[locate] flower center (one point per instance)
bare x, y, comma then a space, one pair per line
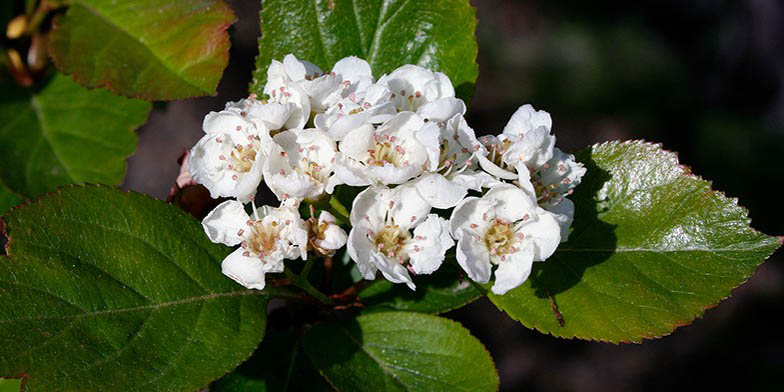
263, 238
242, 158
387, 151
501, 238
495, 150
391, 241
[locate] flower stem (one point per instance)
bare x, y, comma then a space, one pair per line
305, 285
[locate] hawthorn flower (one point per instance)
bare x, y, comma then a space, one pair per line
393, 231
526, 140
551, 184
389, 154
506, 228
228, 160
350, 75
299, 164
413, 86
451, 145
326, 236
372, 106
273, 235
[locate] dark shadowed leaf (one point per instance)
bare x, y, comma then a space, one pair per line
436, 34
150, 49
400, 351
277, 365
652, 247
105, 290
437, 293
8, 199
62, 133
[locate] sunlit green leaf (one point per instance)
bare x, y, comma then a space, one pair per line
436, 34
652, 247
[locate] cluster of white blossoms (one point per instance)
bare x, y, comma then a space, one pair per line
405, 139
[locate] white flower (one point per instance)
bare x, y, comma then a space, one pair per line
277, 234
451, 146
372, 106
228, 160
270, 116
552, 183
506, 228
413, 86
325, 234
389, 154
350, 75
526, 140
292, 93
299, 164
381, 237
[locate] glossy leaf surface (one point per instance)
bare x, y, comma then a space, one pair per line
652, 247
437, 34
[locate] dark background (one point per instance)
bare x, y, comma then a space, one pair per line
702, 77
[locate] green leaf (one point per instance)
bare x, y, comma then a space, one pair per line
106, 290
437, 293
436, 34
277, 365
7, 198
151, 49
652, 247
63, 133
10, 385
398, 351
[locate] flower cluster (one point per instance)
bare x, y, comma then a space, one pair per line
404, 138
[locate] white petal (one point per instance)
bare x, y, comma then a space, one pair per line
274, 115
430, 137
408, 208
524, 180
564, 214
429, 245
474, 179
474, 257
359, 249
334, 236
533, 150
369, 206
389, 174
247, 271
347, 171
391, 269
493, 169
470, 211
442, 109
511, 202
352, 69
227, 223
225, 121
545, 233
358, 142
525, 119
513, 271
438, 191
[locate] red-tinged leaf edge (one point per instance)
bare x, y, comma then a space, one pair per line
221, 41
